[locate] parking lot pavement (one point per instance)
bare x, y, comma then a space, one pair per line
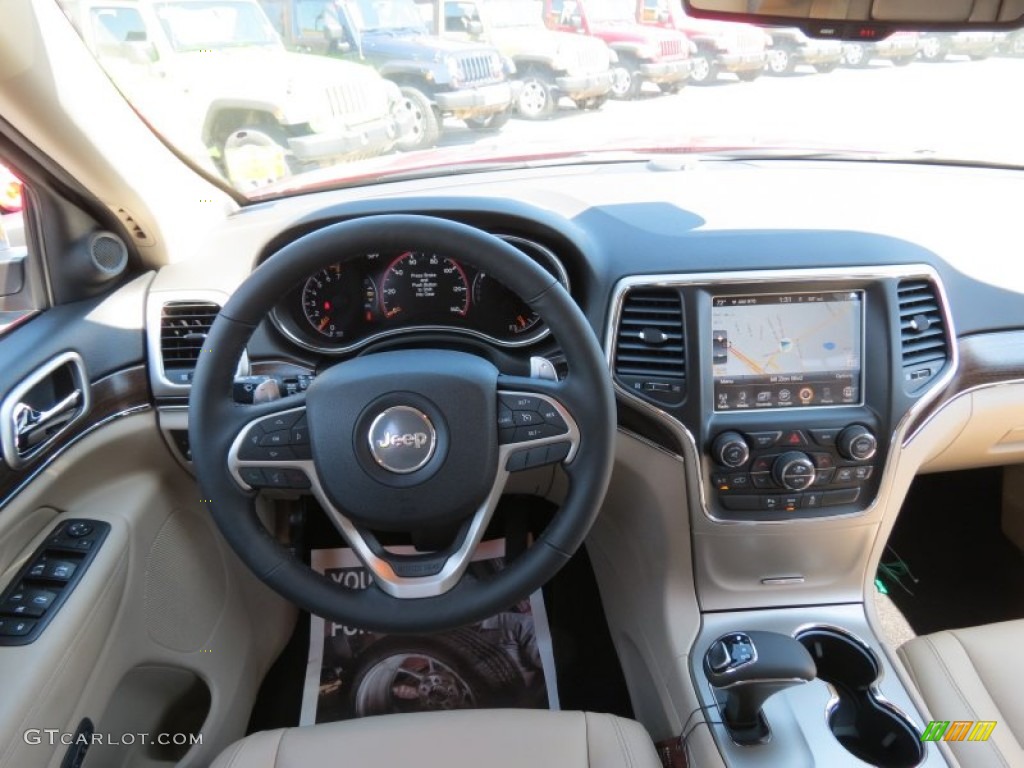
958, 108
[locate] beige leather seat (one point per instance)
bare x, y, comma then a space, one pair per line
975, 674
497, 738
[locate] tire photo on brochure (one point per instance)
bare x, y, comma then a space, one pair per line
494, 663
454, 670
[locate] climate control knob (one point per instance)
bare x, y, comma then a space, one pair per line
730, 450
793, 470
857, 443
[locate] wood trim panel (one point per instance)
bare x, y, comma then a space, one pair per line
985, 359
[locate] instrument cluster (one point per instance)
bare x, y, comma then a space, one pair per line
345, 306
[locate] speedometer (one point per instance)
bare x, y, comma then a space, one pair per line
500, 311
419, 286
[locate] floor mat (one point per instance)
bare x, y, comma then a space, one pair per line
502, 661
588, 673
962, 570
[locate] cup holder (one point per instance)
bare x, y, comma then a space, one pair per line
868, 727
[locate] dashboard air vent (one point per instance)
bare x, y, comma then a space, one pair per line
183, 329
650, 354
924, 342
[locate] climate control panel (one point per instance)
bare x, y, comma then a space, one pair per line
782, 473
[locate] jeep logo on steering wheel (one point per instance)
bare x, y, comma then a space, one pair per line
402, 439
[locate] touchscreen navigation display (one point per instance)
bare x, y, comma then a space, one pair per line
787, 350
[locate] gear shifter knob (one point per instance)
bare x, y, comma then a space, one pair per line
745, 669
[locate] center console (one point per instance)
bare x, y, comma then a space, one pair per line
790, 383
787, 396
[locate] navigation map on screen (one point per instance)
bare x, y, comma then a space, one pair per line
786, 350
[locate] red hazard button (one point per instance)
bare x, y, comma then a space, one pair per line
793, 437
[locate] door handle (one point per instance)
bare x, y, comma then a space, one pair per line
42, 406
30, 423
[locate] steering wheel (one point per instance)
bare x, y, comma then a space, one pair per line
404, 440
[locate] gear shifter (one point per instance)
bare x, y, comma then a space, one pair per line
745, 669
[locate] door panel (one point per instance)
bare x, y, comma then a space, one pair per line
165, 607
165, 619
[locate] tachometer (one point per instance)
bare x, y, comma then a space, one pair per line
424, 287
334, 298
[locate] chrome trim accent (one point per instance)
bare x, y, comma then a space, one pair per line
562, 276
381, 460
741, 683
650, 444
969, 391
12, 407
874, 689
695, 477
782, 581
57, 453
404, 587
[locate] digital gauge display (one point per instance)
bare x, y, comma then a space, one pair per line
349, 304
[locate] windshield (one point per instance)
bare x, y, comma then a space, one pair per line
610, 10
199, 26
509, 14
385, 14
497, 83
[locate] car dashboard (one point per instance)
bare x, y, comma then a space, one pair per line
791, 342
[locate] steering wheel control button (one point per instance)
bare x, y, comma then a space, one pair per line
558, 452
297, 479
281, 437
402, 439
521, 402
525, 434
551, 416
281, 421
506, 417
252, 476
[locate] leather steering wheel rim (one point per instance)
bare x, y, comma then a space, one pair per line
216, 423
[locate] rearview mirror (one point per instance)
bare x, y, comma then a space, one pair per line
865, 19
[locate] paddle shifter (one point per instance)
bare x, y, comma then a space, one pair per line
745, 669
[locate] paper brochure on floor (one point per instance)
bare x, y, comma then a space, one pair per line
503, 661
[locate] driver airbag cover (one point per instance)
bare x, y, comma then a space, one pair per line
457, 393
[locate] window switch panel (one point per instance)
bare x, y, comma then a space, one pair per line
37, 592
